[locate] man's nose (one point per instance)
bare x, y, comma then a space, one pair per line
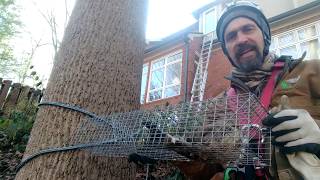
242, 38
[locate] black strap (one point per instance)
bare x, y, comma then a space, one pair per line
68, 148
70, 107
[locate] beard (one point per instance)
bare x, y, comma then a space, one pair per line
249, 64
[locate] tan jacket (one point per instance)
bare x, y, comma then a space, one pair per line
302, 86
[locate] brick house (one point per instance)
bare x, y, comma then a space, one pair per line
170, 72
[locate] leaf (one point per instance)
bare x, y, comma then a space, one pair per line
33, 73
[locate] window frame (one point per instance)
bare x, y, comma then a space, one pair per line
164, 86
276, 48
215, 9
143, 92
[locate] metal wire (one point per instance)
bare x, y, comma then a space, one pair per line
225, 129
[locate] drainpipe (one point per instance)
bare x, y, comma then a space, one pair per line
185, 97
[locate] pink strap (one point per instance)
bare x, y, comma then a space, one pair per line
268, 90
265, 101
231, 92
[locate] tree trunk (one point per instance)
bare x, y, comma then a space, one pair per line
98, 68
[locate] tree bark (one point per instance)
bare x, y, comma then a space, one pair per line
98, 68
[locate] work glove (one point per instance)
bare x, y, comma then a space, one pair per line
294, 130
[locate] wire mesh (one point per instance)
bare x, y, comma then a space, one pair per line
225, 129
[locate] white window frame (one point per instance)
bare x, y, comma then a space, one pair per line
164, 86
297, 43
215, 9
142, 101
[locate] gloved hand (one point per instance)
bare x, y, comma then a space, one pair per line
294, 130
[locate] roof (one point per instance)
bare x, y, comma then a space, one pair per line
174, 37
294, 12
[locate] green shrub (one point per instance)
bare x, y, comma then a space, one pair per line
15, 129
175, 175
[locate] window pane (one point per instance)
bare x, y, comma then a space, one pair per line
158, 64
173, 74
170, 59
143, 87
145, 69
291, 51
154, 95
272, 47
172, 91
210, 21
307, 32
286, 39
165, 72
157, 79
144, 82
312, 48
174, 57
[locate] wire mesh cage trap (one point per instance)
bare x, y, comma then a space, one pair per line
225, 129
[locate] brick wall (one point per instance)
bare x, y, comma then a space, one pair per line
194, 46
218, 68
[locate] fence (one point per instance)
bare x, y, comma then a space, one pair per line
13, 93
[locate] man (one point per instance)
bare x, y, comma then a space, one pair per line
245, 38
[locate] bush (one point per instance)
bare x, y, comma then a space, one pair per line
15, 129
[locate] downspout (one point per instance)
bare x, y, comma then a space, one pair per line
185, 98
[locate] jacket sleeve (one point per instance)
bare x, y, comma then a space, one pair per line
315, 81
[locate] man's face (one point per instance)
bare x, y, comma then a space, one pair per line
244, 43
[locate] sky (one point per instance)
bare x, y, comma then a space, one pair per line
165, 17
168, 16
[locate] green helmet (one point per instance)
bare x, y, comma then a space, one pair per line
248, 10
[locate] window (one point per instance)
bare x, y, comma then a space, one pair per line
296, 41
165, 78
209, 21
144, 82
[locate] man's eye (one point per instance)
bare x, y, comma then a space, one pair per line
247, 29
230, 36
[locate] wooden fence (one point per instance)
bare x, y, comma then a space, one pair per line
13, 93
